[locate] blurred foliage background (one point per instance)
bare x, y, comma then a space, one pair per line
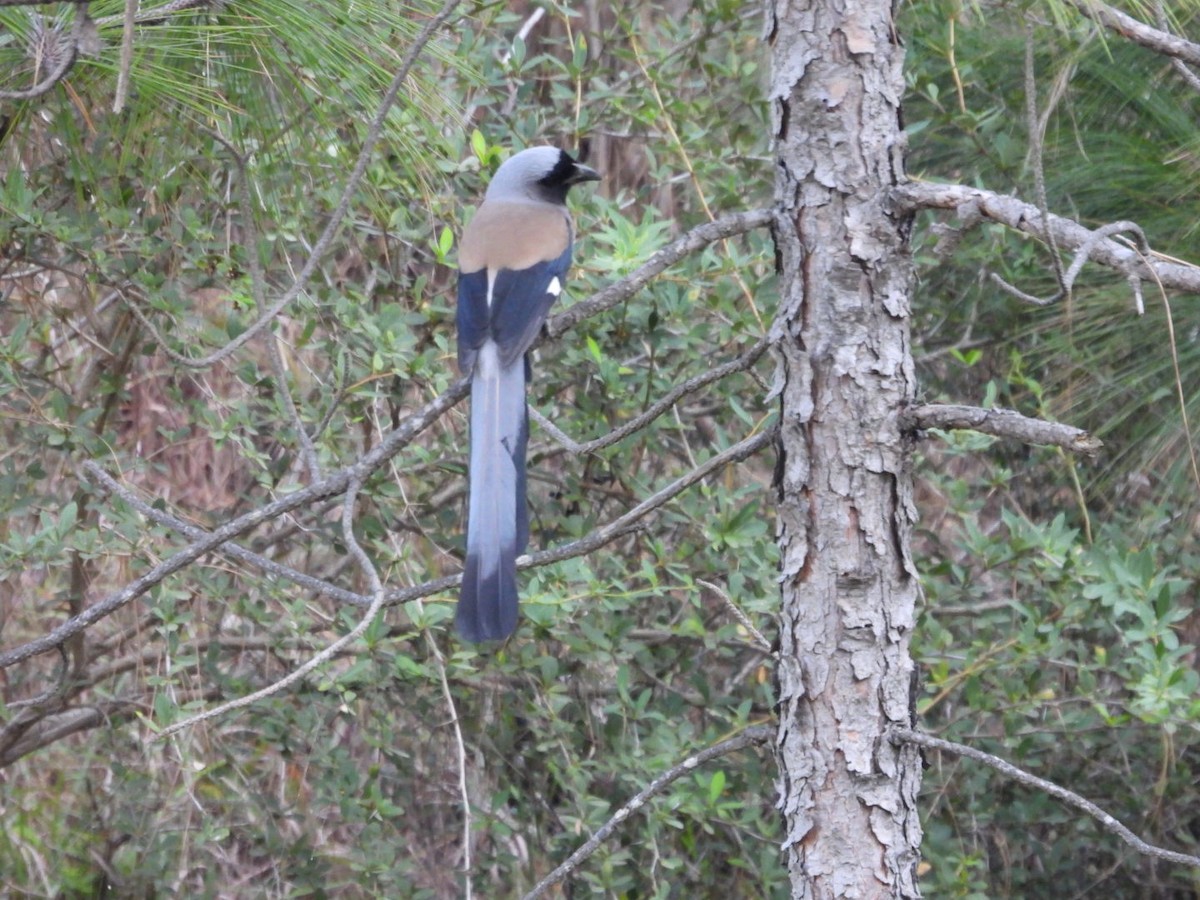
1059, 627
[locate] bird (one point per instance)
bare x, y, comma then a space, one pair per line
513, 259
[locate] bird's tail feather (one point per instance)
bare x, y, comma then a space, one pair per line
497, 517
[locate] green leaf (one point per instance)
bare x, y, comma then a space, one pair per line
479, 145
594, 350
715, 786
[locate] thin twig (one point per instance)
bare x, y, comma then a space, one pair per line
258, 290
615, 529
460, 757
377, 603
1081, 258
602, 535
752, 736
697, 186
1107, 821
1139, 32
1034, 127
319, 249
660, 406
605, 534
1179, 391
739, 614
1181, 68
195, 533
618, 292
1039, 184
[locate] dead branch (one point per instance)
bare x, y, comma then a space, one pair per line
378, 595
334, 223
1106, 820
753, 736
336, 483
1005, 423
1097, 245
696, 239
1160, 41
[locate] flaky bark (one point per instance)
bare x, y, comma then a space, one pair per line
847, 794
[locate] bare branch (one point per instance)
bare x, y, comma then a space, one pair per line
1005, 423
602, 535
660, 406
195, 533
1139, 32
67, 52
460, 753
334, 224
738, 613
1036, 131
405, 433
258, 289
1070, 235
1181, 68
377, 603
699, 237
605, 534
63, 723
1107, 821
129, 19
333, 484
752, 736
1067, 280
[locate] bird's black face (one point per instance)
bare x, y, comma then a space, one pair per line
566, 172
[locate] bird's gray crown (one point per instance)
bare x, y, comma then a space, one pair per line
541, 174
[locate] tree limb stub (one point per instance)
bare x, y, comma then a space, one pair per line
1005, 423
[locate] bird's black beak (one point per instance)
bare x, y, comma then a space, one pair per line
583, 173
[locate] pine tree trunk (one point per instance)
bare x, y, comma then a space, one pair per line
845, 515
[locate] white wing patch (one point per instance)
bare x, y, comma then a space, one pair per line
491, 276
554, 288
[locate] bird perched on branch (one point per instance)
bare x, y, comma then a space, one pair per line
512, 260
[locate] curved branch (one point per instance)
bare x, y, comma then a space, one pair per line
404, 434
660, 406
336, 483
374, 131
1139, 32
317, 660
70, 55
1069, 234
699, 237
753, 736
614, 529
59, 724
618, 527
195, 533
1106, 820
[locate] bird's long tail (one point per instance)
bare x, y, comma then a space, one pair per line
497, 516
